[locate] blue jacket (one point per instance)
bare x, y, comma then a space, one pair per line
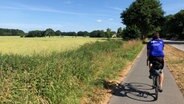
155, 47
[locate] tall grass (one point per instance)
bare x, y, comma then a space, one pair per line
63, 78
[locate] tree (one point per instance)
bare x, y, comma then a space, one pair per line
147, 15
119, 32
179, 23
97, 33
83, 33
11, 32
131, 32
108, 33
72, 34
49, 32
166, 29
86, 33
174, 26
35, 33
58, 33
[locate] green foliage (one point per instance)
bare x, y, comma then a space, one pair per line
131, 32
83, 33
97, 33
62, 78
35, 33
100, 33
174, 26
69, 34
49, 32
108, 33
147, 15
58, 33
11, 32
119, 32
180, 24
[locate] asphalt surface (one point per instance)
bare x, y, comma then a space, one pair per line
179, 46
137, 87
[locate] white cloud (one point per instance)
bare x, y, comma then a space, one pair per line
28, 27
22, 7
99, 20
54, 11
116, 8
68, 2
110, 19
38, 9
9, 7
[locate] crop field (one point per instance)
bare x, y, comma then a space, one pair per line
30, 46
69, 77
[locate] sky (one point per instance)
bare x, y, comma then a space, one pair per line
70, 15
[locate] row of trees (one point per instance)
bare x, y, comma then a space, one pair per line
174, 26
11, 32
49, 32
143, 17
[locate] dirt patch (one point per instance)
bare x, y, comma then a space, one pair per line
175, 62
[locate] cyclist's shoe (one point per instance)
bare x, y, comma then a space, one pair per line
160, 89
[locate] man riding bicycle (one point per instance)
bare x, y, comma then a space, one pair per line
155, 56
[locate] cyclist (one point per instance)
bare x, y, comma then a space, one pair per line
155, 53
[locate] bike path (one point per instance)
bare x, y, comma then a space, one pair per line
137, 87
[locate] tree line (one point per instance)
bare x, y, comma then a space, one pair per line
50, 32
174, 26
11, 32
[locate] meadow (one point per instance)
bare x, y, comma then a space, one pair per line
44, 45
69, 77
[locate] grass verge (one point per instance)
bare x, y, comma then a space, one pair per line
71, 77
175, 61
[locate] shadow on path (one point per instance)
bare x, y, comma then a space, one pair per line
136, 91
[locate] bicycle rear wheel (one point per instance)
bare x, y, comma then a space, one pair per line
156, 86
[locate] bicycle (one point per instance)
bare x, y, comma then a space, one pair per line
155, 72
155, 77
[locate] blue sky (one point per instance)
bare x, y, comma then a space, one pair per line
70, 15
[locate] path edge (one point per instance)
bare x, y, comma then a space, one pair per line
123, 74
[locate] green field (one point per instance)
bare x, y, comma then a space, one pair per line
46, 45
68, 77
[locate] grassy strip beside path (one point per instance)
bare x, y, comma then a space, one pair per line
72, 77
175, 61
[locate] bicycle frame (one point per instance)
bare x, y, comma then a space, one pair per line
156, 85
156, 81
